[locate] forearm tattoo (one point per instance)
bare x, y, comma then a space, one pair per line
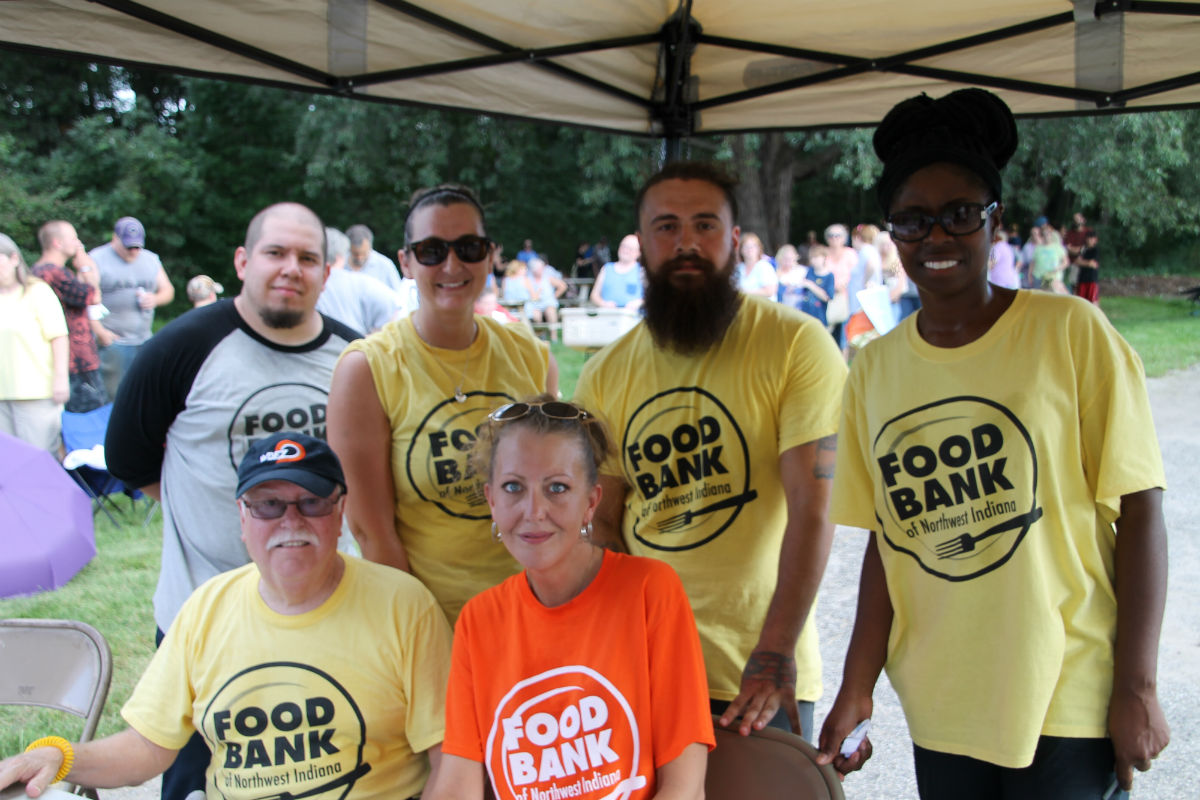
777, 668
826, 458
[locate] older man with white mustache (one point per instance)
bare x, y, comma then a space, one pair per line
309, 673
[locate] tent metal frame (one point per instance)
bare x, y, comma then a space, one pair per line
671, 111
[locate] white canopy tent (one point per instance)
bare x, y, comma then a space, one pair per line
669, 68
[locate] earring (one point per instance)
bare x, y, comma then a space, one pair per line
496, 534
586, 531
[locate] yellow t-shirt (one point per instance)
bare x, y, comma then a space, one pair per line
442, 517
348, 695
994, 472
698, 442
29, 320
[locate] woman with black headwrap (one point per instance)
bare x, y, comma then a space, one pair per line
999, 446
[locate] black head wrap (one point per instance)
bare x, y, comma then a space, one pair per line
970, 127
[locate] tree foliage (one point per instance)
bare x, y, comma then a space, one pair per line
194, 159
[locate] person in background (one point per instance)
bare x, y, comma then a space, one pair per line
1018, 617
133, 283
894, 277
584, 265
1088, 285
1050, 261
365, 259
589, 634
305, 669
1002, 263
841, 261
619, 284
800, 287
33, 354
526, 252
756, 274
547, 287
78, 290
203, 291
353, 298
406, 401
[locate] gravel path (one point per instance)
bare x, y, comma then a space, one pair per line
889, 775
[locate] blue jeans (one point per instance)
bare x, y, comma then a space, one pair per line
187, 773
114, 363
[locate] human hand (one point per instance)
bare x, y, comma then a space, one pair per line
85, 265
36, 769
104, 337
147, 300
768, 682
60, 390
1138, 729
846, 714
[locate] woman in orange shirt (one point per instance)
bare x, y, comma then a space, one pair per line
581, 676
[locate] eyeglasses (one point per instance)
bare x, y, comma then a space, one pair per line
554, 409
433, 251
956, 219
274, 508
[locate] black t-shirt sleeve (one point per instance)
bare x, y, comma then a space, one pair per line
155, 390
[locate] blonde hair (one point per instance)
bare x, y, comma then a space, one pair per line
7, 248
788, 251
592, 435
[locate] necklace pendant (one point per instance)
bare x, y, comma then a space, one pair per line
459, 397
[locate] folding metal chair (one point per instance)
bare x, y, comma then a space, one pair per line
81, 434
767, 763
59, 664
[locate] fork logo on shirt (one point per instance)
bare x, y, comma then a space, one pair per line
689, 466
959, 482
437, 460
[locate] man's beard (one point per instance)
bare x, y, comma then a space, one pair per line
280, 318
690, 319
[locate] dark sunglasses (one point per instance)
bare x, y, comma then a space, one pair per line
554, 409
956, 219
274, 508
433, 251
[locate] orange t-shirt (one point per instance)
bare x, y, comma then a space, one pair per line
584, 700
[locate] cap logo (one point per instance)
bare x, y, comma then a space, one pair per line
285, 451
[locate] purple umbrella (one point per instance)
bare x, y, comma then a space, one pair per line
46, 532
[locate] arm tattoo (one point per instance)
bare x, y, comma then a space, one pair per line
826, 457
777, 668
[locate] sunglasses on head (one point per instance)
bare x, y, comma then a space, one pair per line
956, 219
274, 508
554, 409
433, 251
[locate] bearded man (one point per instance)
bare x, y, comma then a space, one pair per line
725, 411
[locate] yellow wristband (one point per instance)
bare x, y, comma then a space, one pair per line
63, 745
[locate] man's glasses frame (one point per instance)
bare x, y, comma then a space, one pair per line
956, 219
274, 508
433, 250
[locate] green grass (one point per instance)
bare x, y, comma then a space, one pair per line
112, 594
570, 362
1162, 330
